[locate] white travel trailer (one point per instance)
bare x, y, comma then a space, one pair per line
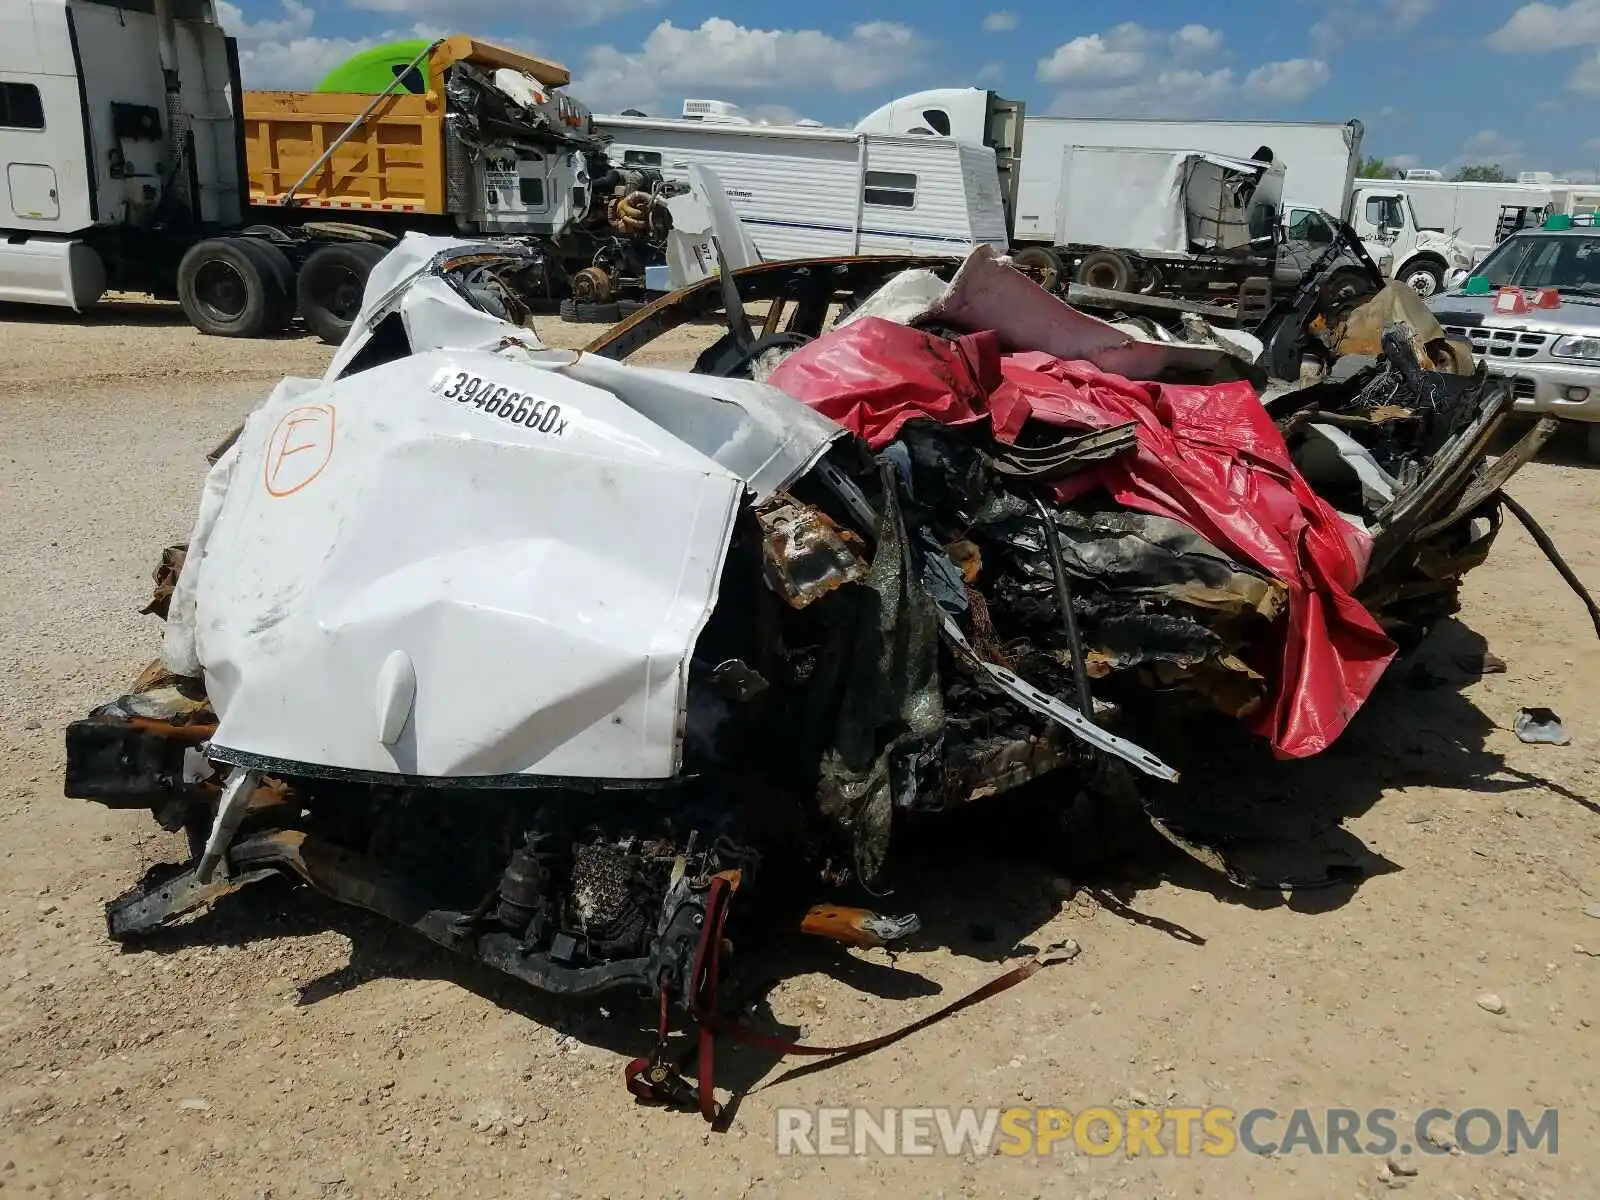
806, 191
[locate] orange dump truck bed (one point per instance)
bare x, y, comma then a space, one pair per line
394, 162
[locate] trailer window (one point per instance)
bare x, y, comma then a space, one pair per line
890, 189
20, 106
641, 158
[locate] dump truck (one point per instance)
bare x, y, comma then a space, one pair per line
466, 137
134, 160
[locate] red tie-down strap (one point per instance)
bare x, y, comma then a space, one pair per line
658, 1080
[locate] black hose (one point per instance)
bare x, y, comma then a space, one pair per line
1069, 620
1542, 539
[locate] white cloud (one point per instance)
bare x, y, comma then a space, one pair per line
297, 21
1537, 27
1130, 70
283, 52
1118, 54
773, 114
723, 56
1585, 77
1176, 91
1489, 146
1287, 82
1000, 22
1196, 41
1165, 94
1404, 162
1356, 20
989, 73
297, 64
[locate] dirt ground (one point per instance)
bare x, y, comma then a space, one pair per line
281, 1046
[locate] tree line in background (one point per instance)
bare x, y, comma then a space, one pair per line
1376, 168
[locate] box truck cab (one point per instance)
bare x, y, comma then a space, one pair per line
1423, 258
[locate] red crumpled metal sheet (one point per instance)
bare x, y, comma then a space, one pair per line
1208, 455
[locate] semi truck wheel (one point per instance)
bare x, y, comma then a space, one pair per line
278, 273
1041, 262
332, 281
1105, 269
225, 290
1425, 278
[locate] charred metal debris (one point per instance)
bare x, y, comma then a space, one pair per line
1041, 537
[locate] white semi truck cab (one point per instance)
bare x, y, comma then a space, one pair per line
123, 153
113, 118
1424, 258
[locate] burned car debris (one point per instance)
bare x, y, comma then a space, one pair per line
552, 658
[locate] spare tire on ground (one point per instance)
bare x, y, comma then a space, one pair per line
586, 313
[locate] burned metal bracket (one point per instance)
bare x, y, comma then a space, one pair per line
1019, 689
121, 764
1046, 705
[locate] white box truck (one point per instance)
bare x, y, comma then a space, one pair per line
1321, 161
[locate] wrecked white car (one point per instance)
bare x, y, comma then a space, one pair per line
547, 656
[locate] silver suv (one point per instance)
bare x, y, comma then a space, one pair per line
1551, 356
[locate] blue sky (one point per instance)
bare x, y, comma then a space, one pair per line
1436, 84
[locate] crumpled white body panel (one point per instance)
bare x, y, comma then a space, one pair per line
547, 587
386, 577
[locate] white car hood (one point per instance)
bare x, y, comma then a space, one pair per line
389, 579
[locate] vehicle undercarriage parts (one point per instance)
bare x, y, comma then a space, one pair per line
591, 286
231, 807
658, 1078
1289, 328
1069, 622
805, 555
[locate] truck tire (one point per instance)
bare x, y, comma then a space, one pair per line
583, 313
1424, 276
225, 291
279, 274
332, 281
1043, 260
1106, 269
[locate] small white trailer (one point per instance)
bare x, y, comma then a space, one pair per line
805, 191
